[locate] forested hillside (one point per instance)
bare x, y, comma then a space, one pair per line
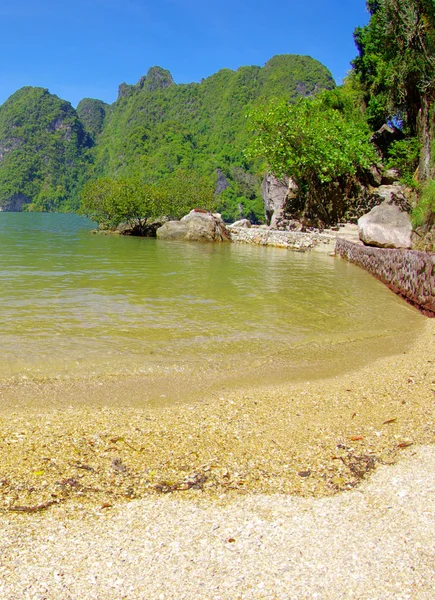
155, 128
43, 148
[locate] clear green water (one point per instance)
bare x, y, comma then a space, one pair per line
75, 305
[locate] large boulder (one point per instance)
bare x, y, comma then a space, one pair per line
245, 223
198, 226
386, 226
276, 193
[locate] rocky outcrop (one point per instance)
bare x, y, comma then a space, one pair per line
408, 273
386, 226
198, 226
222, 182
92, 114
384, 137
276, 193
394, 194
246, 223
390, 177
156, 79
15, 203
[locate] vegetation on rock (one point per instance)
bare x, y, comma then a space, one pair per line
155, 129
176, 143
396, 68
43, 150
323, 142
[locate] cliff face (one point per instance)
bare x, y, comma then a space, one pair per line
42, 147
92, 113
157, 127
154, 128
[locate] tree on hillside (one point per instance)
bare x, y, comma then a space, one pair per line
396, 66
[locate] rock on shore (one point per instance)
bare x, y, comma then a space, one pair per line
198, 226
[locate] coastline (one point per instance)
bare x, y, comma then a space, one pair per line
306, 438
322, 489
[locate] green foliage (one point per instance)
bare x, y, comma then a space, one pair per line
184, 190
424, 213
154, 130
320, 143
396, 62
241, 200
110, 202
403, 155
92, 114
310, 141
44, 148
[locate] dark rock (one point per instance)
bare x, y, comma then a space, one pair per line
15, 203
390, 177
386, 226
197, 226
375, 176
384, 137
222, 182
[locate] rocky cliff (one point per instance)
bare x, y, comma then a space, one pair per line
42, 150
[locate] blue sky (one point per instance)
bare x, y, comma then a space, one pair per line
86, 48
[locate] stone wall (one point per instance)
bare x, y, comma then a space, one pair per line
292, 240
409, 273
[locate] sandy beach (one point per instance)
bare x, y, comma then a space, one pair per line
85, 465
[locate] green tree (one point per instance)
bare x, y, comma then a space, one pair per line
110, 202
184, 190
396, 65
316, 145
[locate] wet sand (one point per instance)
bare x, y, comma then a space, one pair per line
89, 446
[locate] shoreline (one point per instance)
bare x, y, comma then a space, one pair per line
311, 439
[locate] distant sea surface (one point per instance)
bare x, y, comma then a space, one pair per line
76, 305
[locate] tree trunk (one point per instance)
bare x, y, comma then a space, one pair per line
425, 135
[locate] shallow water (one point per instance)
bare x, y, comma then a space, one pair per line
76, 305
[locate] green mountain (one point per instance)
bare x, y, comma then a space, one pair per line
92, 114
43, 151
154, 129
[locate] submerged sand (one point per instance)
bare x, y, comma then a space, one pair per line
86, 447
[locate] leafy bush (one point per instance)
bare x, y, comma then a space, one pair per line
316, 145
110, 202
309, 141
403, 155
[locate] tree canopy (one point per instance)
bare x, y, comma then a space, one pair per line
315, 142
396, 61
110, 201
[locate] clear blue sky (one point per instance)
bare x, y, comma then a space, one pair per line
86, 48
